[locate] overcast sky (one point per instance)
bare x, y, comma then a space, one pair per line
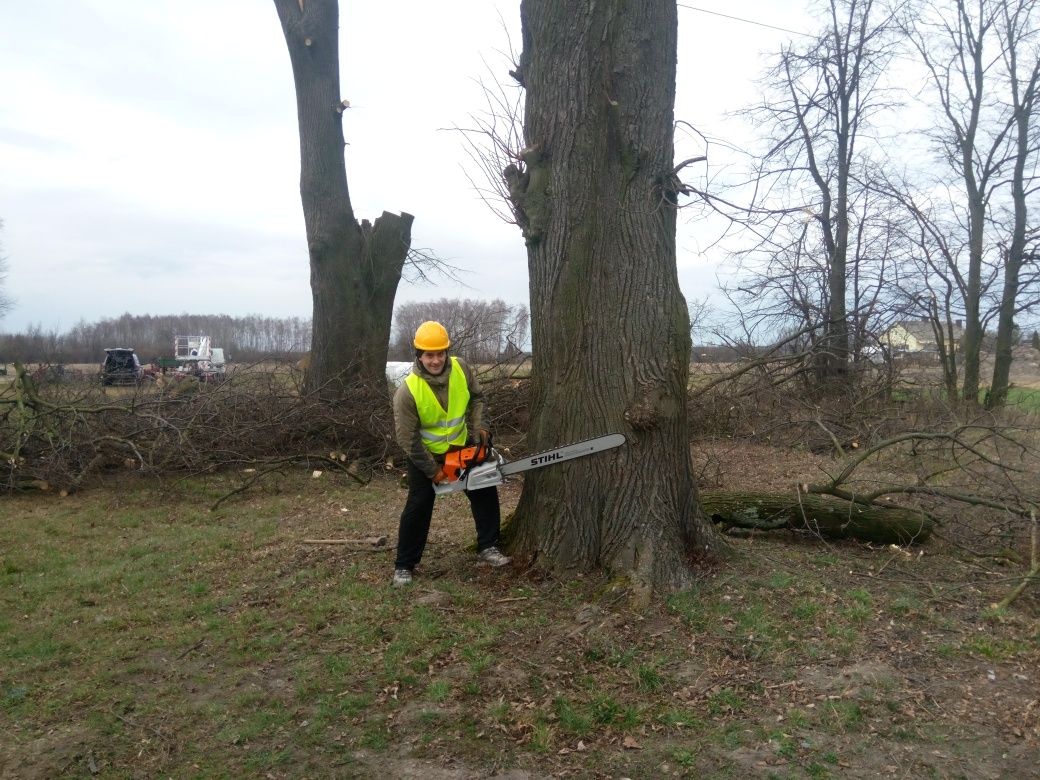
149, 150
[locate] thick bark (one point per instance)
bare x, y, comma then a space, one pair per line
596, 201
829, 517
1002, 359
1023, 102
355, 268
846, 87
973, 73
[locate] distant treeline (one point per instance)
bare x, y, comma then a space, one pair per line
481, 331
243, 339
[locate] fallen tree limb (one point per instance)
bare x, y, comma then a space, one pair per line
368, 543
829, 517
1034, 571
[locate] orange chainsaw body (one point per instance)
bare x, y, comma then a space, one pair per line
457, 461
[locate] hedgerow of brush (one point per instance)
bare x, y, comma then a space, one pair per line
61, 436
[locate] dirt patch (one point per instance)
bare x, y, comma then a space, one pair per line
64, 750
445, 769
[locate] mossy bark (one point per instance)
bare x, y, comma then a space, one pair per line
610, 332
829, 517
355, 267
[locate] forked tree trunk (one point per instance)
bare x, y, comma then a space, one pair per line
355, 268
610, 337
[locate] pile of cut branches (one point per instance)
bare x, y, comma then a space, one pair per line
60, 437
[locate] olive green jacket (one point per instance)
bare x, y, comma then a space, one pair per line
406, 415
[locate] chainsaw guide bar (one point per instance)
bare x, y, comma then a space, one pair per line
495, 469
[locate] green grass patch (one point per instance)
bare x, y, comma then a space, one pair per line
438, 690
1026, 398
906, 604
573, 719
841, 716
725, 702
684, 758
681, 718
996, 649
649, 678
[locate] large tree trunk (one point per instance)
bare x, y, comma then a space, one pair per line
1003, 357
976, 194
1023, 100
846, 86
596, 200
355, 268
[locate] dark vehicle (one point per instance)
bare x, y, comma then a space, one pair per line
121, 367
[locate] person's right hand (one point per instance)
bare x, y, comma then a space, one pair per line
440, 477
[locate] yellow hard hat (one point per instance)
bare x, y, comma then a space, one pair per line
431, 337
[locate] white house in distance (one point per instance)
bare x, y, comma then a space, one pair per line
916, 336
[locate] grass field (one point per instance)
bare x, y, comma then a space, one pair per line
144, 636
1025, 398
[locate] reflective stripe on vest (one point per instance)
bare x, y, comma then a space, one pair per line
438, 428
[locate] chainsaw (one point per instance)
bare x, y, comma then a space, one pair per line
483, 466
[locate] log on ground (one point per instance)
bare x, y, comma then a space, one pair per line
829, 517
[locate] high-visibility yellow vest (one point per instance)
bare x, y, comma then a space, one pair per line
438, 428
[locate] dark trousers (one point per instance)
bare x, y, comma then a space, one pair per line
414, 527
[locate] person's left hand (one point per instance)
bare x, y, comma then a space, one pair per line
483, 437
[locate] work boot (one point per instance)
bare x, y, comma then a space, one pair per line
401, 578
492, 556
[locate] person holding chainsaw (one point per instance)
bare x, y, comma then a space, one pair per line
439, 409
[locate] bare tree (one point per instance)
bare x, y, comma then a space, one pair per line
481, 331
493, 140
1017, 31
701, 313
818, 227
595, 194
355, 267
933, 287
973, 134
